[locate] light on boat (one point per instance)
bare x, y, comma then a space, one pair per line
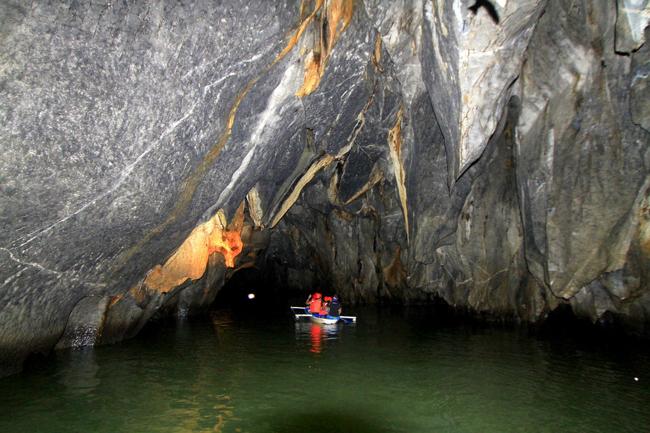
251, 296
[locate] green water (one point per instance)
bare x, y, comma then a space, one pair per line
392, 372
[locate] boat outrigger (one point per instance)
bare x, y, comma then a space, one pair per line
303, 313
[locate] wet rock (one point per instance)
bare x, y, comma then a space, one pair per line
84, 327
640, 88
471, 57
631, 22
580, 162
113, 116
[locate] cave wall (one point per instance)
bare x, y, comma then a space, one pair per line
553, 211
495, 157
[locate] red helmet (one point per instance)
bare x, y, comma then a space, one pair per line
328, 298
316, 295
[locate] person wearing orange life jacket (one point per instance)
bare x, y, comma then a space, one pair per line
325, 307
315, 303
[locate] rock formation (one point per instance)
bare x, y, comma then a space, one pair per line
493, 154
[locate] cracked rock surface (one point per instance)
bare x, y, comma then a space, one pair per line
497, 158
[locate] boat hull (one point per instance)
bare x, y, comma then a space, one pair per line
303, 313
324, 320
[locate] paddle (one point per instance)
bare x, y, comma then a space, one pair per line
303, 311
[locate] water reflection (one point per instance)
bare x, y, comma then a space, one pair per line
389, 373
221, 317
317, 334
79, 375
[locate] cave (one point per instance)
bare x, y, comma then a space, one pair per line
471, 179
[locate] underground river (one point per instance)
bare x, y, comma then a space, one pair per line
396, 370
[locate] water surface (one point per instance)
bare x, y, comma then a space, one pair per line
394, 371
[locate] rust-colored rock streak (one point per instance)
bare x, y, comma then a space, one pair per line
395, 145
375, 177
394, 272
323, 162
191, 258
192, 182
376, 54
317, 166
333, 21
255, 207
644, 224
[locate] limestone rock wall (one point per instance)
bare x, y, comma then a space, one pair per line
553, 209
493, 154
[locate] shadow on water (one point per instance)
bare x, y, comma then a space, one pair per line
323, 421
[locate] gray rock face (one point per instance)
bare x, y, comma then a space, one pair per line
631, 22
471, 58
497, 158
640, 88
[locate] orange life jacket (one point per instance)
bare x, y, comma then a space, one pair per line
315, 306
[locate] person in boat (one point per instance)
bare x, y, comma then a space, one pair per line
325, 308
315, 303
335, 306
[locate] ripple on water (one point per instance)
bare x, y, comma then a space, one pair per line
388, 373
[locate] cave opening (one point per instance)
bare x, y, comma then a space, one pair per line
250, 289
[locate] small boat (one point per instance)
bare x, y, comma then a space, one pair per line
324, 320
303, 313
